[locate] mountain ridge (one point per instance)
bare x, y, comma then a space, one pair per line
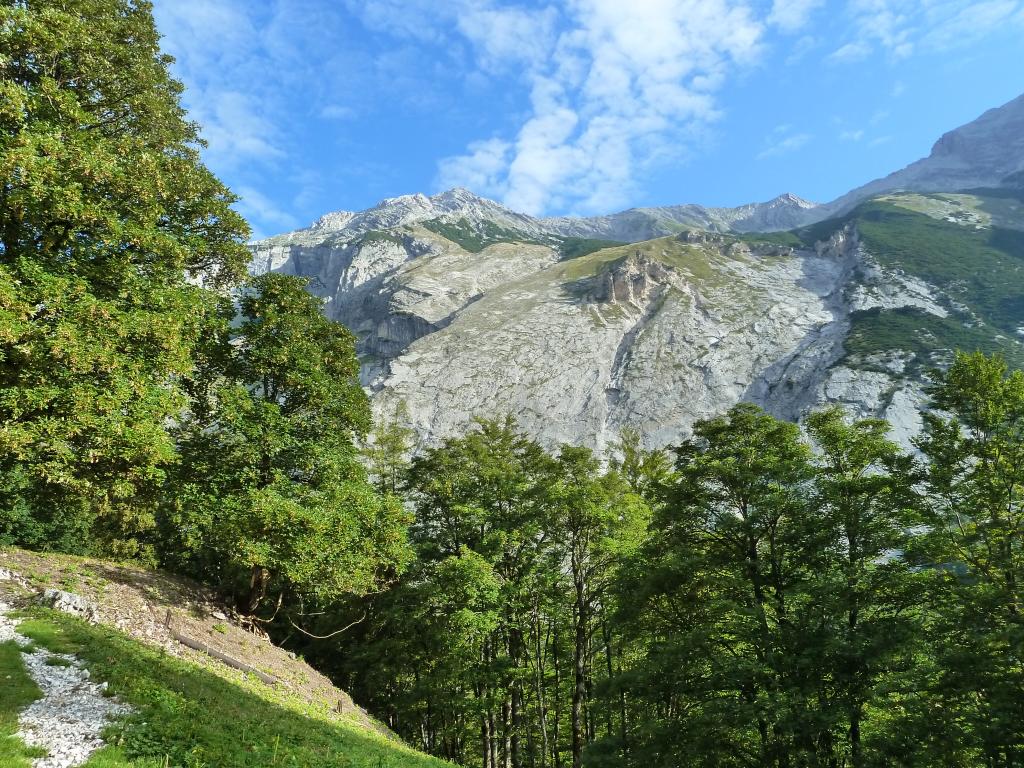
654, 318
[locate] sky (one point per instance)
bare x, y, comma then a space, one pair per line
578, 106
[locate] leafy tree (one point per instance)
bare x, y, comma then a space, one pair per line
600, 522
975, 484
104, 209
723, 595
270, 482
870, 598
388, 450
647, 472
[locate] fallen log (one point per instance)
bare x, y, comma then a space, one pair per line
199, 645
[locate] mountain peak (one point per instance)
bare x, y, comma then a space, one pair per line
982, 153
788, 198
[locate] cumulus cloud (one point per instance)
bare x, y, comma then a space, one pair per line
619, 85
242, 64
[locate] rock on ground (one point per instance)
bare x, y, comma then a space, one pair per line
73, 711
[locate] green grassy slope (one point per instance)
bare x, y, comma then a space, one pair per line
18, 692
185, 714
975, 260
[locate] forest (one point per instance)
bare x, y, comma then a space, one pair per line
761, 594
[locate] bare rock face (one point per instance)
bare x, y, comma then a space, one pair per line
464, 308
652, 336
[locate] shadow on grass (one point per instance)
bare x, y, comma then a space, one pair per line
188, 716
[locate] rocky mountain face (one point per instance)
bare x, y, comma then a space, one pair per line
986, 153
784, 212
465, 308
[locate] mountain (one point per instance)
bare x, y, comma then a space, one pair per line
986, 153
784, 212
653, 318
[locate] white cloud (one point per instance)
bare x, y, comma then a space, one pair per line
242, 63
509, 35
792, 15
851, 135
850, 52
901, 28
621, 84
256, 206
782, 142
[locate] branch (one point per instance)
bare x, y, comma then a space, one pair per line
326, 637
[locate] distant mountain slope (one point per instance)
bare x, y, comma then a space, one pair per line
985, 153
783, 212
653, 318
657, 334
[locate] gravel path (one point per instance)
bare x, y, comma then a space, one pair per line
68, 719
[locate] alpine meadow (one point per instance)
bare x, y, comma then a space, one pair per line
511, 482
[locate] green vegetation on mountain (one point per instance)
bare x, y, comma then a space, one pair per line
474, 237
982, 269
574, 247
929, 339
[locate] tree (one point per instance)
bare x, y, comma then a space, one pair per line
388, 450
600, 522
870, 598
974, 443
721, 597
647, 472
270, 483
104, 210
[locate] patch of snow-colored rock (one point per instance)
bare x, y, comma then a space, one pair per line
73, 712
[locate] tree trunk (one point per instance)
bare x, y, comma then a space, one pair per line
579, 673
259, 579
555, 747
542, 713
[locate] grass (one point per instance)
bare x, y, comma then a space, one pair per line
475, 237
575, 247
790, 239
929, 338
188, 716
18, 692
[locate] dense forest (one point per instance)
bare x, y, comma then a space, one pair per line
763, 594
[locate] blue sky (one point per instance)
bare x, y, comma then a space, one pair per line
578, 106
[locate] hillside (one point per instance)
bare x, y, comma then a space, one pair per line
187, 707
